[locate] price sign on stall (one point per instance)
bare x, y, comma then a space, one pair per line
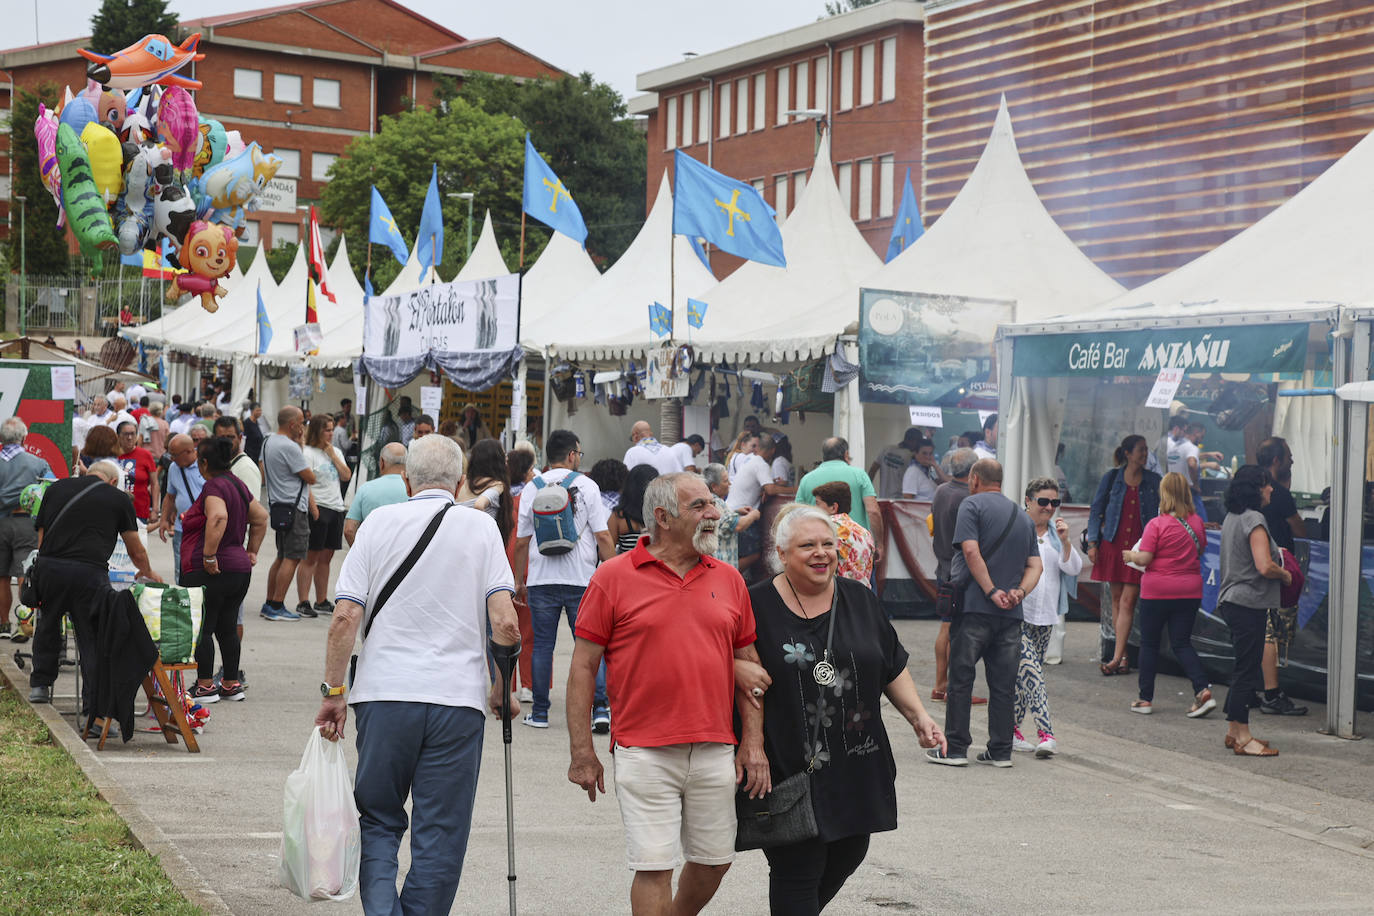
1166, 386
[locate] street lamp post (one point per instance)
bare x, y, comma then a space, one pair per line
23, 267
468, 196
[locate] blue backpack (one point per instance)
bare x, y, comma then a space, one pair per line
554, 531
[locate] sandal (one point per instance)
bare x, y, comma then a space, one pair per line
1265, 750
1231, 742
1144, 707
1109, 668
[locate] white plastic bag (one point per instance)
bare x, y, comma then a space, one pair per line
321, 842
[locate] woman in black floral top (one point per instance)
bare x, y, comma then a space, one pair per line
853, 775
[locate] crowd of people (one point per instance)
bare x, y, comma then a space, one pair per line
769, 634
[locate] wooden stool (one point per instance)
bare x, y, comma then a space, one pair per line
170, 713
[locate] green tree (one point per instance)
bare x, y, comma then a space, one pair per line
475, 151
845, 6
45, 245
581, 129
120, 23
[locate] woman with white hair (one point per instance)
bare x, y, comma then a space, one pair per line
831, 655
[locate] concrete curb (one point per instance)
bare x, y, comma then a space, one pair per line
1341, 833
145, 833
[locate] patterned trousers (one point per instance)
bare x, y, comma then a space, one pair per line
1030, 677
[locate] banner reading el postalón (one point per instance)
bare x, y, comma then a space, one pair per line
1259, 348
468, 330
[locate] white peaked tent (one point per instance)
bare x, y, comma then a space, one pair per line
411, 277
237, 308
485, 261
996, 240
783, 314
610, 319
564, 270
338, 319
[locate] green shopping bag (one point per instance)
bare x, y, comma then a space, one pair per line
173, 616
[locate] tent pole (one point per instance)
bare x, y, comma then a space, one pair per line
548, 396
522, 241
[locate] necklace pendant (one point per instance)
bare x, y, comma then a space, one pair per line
824, 672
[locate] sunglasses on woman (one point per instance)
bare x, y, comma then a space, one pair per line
1043, 501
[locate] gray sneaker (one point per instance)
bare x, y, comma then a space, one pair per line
40, 695
935, 755
986, 758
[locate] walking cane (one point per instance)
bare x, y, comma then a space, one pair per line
505, 658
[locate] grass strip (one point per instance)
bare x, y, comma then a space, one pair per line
63, 849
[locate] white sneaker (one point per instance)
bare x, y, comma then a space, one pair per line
1047, 746
1054, 659
1019, 743
526, 695
532, 722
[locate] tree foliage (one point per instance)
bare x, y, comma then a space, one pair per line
580, 127
120, 23
475, 151
837, 7
44, 245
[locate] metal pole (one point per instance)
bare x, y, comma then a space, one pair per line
1351, 363
23, 269
467, 256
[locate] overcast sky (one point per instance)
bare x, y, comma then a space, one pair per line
614, 39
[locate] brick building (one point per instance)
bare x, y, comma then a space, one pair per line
861, 71
1152, 131
302, 80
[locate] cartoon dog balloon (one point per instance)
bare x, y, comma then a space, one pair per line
208, 252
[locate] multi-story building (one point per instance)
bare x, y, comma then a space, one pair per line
1152, 131
302, 80
859, 74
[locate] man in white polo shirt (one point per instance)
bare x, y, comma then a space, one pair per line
648, 450
421, 688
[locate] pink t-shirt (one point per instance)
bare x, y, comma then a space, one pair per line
1175, 571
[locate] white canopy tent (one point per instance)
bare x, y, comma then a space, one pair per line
564, 270
486, 260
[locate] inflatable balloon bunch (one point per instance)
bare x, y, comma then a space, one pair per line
130, 162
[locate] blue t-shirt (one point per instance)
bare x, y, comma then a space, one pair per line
185, 484
380, 491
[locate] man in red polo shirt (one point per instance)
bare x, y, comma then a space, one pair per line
670, 621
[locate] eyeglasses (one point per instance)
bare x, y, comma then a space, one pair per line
1043, 501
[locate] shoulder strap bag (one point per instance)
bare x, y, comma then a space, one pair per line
1191, 533
397, 577
949, 595
785, 815
28, 592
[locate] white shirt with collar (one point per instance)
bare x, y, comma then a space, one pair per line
682, 451
428, 643
652, 452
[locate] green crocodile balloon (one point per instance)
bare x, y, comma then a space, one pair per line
85, 208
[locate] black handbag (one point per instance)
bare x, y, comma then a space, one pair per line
282, 516
785, 815
949, 595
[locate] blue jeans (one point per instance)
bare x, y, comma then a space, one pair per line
997, 641
430, 753
1178, 615
547, 604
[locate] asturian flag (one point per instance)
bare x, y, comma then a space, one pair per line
722, 210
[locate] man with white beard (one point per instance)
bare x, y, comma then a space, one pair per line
670, 620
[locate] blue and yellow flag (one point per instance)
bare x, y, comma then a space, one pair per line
264, 324
383, 231
660, 320
696, 312
547, 200
906, 228
429, 238
727, 213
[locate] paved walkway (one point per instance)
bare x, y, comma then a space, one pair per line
1137, 815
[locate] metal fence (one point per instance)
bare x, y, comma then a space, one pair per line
53, 304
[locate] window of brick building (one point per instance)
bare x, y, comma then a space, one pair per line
846, 70
889, 90
325, 93
760, 99
286, 88
252, 232
319, 165
703, 115
887, 188
866, 74
845, 179
803, 85
780, 196
823, 101
725, 91
285, 234
784, 93
247, 83
865, 189
742, 105
670, 124
688, 116
290, 162
798, 184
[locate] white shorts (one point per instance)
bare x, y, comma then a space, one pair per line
677, 802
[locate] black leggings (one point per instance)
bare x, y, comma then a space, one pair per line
803, 877
220, 619
1247, 637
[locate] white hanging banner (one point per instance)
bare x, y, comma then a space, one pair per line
927, 416
1166, 386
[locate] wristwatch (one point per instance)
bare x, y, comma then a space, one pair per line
327, 691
